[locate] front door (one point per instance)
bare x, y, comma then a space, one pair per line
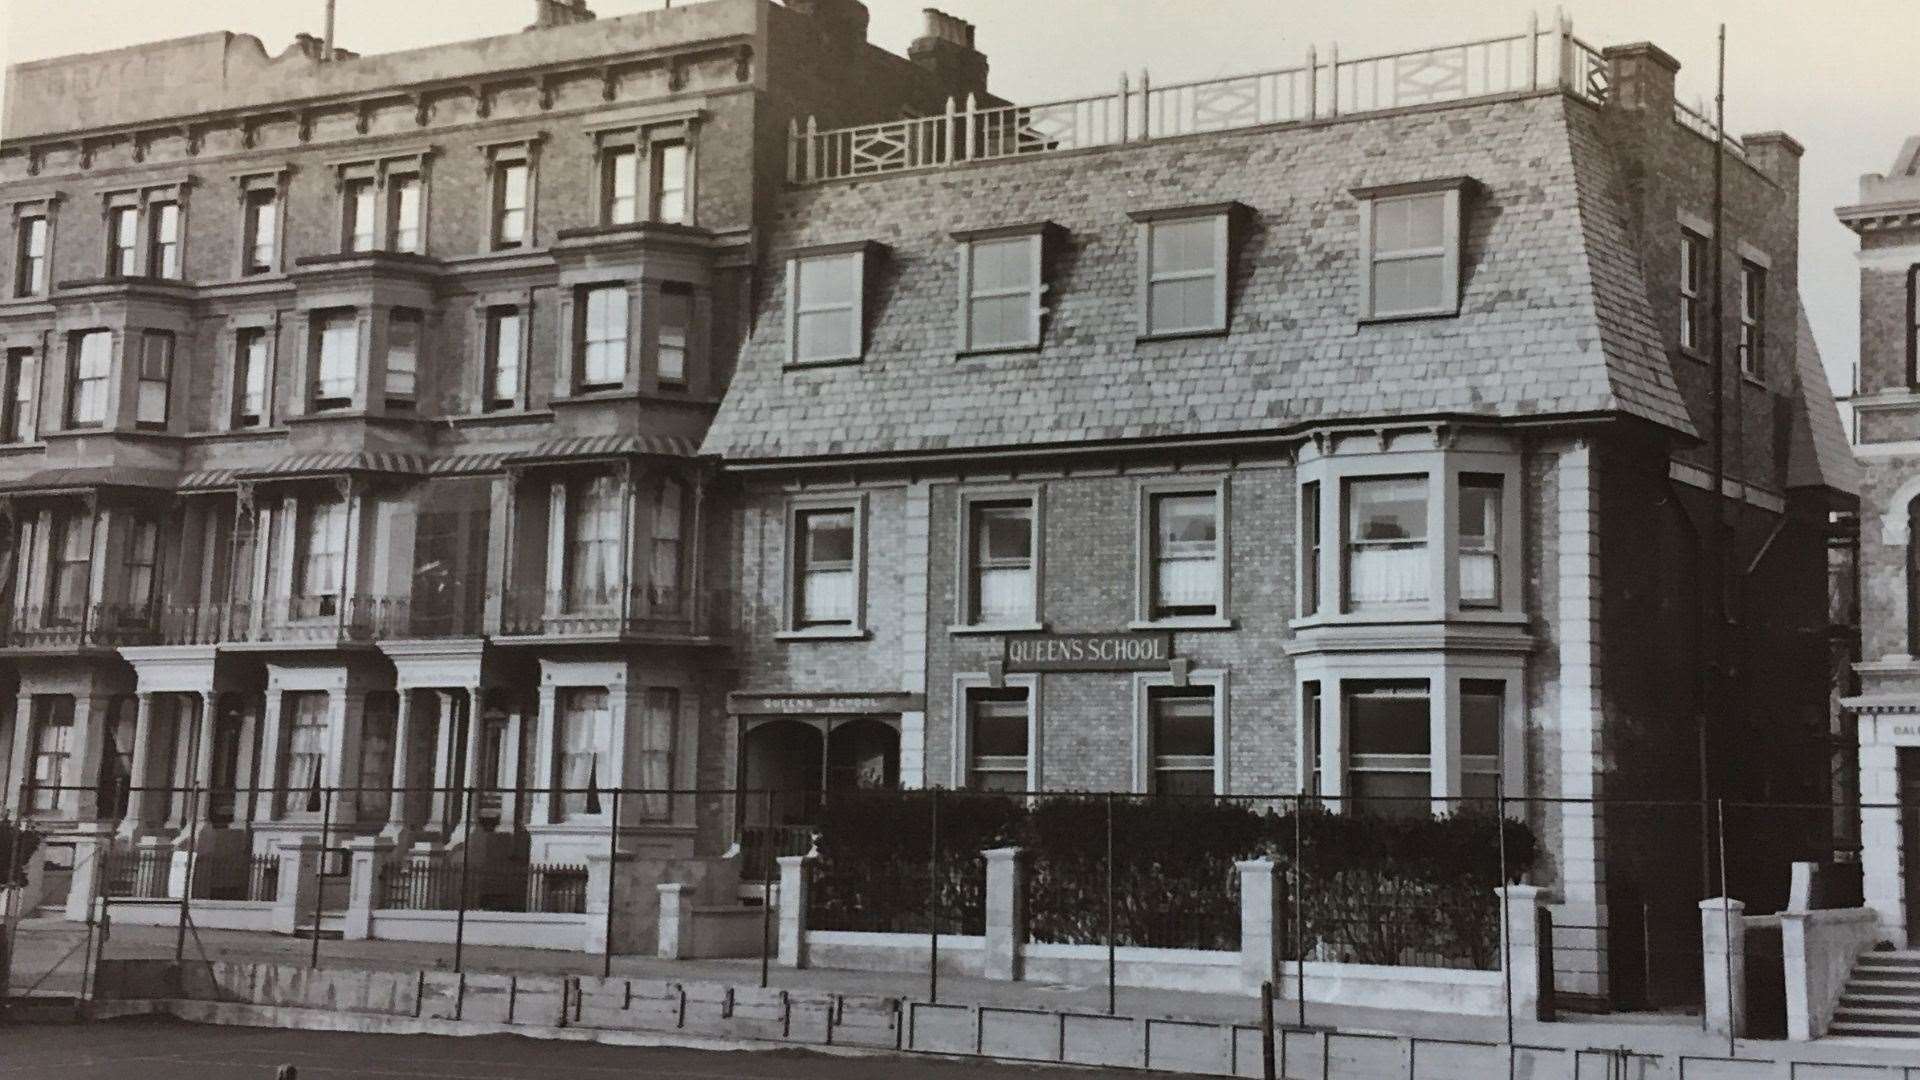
1910, 836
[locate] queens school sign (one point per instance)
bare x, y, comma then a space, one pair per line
1089, 652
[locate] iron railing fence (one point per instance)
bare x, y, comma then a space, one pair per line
1323, 87
642, 609
141, 871
442, 883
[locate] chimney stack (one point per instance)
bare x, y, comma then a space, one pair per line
946, 49
844, 19
551, 13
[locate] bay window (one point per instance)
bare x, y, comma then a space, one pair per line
1479, 539
1184, 545
593, 571
70, 577
52, 748
16, 396
250, 378
320, 559
664, 592
403, 358
1181, 741
91, 365
1310, 547
1386, 539
336, 351
584, 721
504, 341
156, 380
1482, 724
997, 739
1001, 586
1389, 746
603, 337
825, 572
303, 762
142, 564
674, 327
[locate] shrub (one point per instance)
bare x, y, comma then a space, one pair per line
876, 852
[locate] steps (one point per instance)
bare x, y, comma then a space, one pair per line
1882, 998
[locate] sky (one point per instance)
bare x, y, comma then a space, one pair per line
1834, 76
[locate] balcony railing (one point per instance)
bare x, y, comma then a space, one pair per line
641, 610
1321, 88
55, 626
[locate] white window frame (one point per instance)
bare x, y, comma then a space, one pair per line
491, 360
124, 259
1470, 455
333, 556
965, 618
1034, 237
156, 214
359, 227
500, 157
272, 183
964, 684
317, 321
96, 417
1692, 292
580, 382
600, 745
862, 253
1144, 683
798, 507
44, 209
267, 335
1146, 539
1452, 191
1223, 216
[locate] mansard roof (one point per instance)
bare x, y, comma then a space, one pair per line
1554, 318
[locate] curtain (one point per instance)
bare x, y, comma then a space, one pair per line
1388, 575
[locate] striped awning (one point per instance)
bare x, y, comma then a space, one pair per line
87, 478
468, 464
207, 480
1882, 703
605, 446
337, 462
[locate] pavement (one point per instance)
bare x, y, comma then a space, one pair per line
43, 942
153, 1048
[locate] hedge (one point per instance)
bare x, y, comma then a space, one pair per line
1376, 890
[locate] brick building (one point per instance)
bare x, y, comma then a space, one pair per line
352, 409
1887, 442
1282, 435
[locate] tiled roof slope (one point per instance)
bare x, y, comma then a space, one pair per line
1821, 455
1554, 318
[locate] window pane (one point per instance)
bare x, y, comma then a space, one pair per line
1182, 305
676, 317
829, 537
1006, 532
605, 359
1183, 245
1000, 321
670, 182
1389, 718
622, 179
403, 354
825, 334
1416, 223
1002, 265
338, 372
1000, 727
359, 196
1391, 794
504, 359
405, 212
1183, 725
827, 280
1408, 284
1185, 551
1479, 539
1392, 509
263, 227
1480, 717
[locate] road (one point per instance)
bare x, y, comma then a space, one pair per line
158, 1049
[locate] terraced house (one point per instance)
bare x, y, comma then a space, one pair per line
352, 414
1343, 430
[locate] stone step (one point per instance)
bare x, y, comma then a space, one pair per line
1890, 959
1899, 1014
1869, 999
1886, 976
1876, 1030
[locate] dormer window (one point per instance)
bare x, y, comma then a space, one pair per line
1410, 249
1002, 281
826, 303
1183, 254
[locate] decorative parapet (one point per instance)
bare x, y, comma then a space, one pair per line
1319, 89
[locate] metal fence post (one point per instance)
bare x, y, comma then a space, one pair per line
466, 859
933, 901
1299, 912
1506, 918
1112, 1004
613, 876
320, 874
193, 796
1726, 919
767, 885
1266, 1031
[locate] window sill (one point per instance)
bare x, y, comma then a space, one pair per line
1025, 348
1408, 316
838, 361
824, 633
997, 628
9, 449
1183, 622
1180, 335
501, 416
1754, 381
1405, 616
1693, 354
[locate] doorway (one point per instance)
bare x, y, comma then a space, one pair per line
1910, 835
